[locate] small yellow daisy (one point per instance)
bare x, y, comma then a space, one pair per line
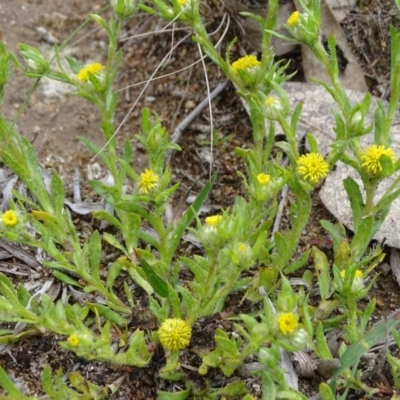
294, 19
287, 323
263, 179
245, 62
312, 167
147, 181
10, 218
94, 68
175, 334
213, 220
73, 340
371, 155
269, 101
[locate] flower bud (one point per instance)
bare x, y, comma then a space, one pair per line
274, 108
248, 68
243, 255
124, 8
35, 61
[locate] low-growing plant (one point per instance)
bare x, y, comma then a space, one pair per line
238, 240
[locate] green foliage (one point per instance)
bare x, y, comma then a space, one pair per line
241, 252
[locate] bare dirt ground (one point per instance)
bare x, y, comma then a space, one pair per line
53, 118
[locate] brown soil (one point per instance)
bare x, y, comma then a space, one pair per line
54, 118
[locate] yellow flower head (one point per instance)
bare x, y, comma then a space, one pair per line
213, 220
245, 62
10, 218
270, 100
312, 167
294, 19
263, 179
371, 155
147, 181
242, 247
287, 323
358, 274
73, 340
182, 2
175, 334
94, 68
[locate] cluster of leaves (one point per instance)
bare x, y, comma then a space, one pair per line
234, 242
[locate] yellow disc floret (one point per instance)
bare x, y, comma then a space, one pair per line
294, 19
263, 179
245, 62
10, 218
269, 101
287, 323
175, 334
370, 157
147, 181
94, 68
73, 340
213, 220
312, 167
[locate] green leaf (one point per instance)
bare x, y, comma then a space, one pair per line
298, 263
158, 284
326, 392
233, 389
362, 238
128, 294
57, 192
322, 347
96, 150
95, 255
106, 216
108, 314
190, 214
353, 353
134, 207
7, 384
47, 382
75, 66
268, 387
312, 142
182, 395
321, 265
395, 369
337, 232
111, 239
66, 279
356, 201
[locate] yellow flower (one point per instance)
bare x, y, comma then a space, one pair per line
10, 218
270, 100
242, 247
287, 323
213, 220
358, 273
371, 155
294, 19
182, 2
73, 340
245, 62
94, 68
312, 167
175, 334
263, 179
147, 181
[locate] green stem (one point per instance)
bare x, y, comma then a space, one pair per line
290, 136
369, 201
340, 97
